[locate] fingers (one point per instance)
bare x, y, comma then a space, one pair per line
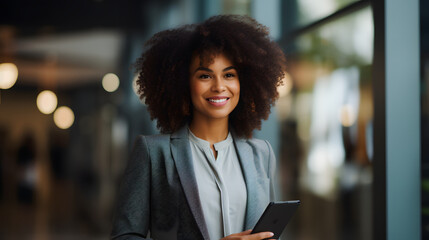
247, 236
258, 236
237, 235
247, 232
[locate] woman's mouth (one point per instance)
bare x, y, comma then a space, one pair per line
218, 101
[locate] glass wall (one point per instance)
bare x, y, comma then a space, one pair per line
325, 114
309, 11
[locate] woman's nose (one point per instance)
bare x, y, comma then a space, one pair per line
218, 85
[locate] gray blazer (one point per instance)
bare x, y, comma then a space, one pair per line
159, 192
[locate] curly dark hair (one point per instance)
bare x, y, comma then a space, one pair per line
164, 76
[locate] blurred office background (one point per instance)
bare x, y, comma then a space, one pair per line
69, 121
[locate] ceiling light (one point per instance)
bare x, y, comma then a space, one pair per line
8, 75
63, 117
110, 82
47, 101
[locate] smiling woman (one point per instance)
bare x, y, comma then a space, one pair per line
208, 86
164, 70
215, 91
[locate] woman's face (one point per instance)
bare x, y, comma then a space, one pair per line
215, 89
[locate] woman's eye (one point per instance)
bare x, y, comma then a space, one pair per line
204, 76
229, 75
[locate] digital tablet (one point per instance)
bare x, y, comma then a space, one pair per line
275, 217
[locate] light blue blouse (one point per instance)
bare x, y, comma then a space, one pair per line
221, 186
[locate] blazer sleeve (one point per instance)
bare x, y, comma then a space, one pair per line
132, 217
275, 191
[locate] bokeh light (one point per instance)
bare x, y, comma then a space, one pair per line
135, 86
110, 82
286, 87
47, 101
8, 75
347, 115
64, 117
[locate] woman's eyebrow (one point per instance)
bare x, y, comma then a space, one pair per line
229, 68
209, 70
204, 69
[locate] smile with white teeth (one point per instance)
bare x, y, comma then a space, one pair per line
219, 100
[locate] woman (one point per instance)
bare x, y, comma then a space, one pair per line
208, 86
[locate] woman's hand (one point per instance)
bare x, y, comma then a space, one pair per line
247, 236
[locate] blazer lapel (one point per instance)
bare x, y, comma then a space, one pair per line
245, 156
182, 156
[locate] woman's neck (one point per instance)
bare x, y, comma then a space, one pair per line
213, 131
